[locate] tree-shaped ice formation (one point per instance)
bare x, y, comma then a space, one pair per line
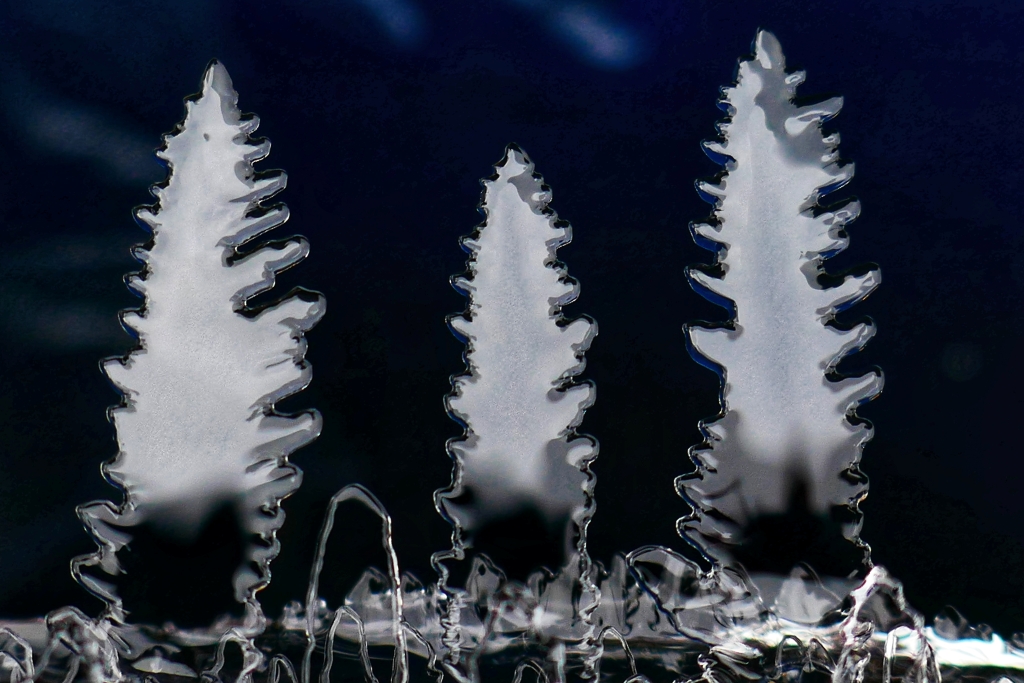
197, 427
519, 401
785, 430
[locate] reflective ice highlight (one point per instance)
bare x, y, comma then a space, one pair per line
402, 20
598, 37
73, 130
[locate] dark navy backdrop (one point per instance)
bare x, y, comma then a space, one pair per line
385, 113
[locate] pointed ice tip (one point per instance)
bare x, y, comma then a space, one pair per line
768, 51
514, 162
217, 79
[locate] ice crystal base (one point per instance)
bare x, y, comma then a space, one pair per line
681, 624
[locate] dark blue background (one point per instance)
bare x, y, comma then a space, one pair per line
385, 113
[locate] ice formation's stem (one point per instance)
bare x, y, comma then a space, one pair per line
400, 664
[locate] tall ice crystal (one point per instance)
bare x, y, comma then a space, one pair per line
784, 435
520, 404
197, 427
519, 400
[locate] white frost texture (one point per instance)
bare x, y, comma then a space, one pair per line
519, 401
785, 419
197, 427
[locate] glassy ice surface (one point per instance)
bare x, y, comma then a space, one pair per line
198, 428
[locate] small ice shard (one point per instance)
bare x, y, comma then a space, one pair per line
801, 597
784, 437
879, 606
703, 605
197, 427
155, 664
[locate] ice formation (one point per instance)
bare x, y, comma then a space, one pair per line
197, 427
785, 429
519, 400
